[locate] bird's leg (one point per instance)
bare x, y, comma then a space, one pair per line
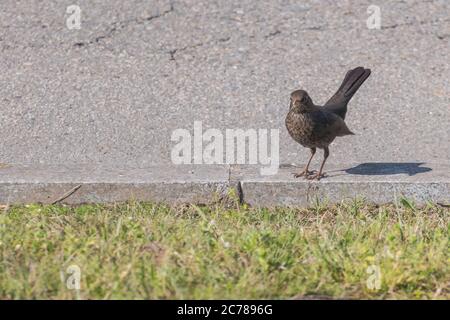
305, 172
319, 175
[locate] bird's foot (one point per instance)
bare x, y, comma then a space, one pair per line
316, 176
304, 173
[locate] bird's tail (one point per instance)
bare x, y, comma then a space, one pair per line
352, 81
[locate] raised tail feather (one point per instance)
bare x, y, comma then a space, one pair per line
352, 81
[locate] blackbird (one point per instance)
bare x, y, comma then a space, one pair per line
317, 126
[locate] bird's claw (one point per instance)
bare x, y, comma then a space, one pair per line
304, 173
316, 176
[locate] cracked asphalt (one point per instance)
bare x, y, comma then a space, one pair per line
112, 92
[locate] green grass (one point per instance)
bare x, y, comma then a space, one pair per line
141, 251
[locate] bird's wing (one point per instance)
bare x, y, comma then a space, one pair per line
329, 124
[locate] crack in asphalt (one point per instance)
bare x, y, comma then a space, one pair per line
443, 37
414, 23
174, 51
119, 25
272, 34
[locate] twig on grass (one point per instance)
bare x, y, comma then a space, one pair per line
67, 194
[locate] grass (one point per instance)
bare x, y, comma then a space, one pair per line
147, 251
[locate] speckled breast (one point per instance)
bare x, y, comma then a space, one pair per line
301, 128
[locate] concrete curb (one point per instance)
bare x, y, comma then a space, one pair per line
172, 184
376, 182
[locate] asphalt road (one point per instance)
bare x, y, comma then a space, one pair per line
113, 92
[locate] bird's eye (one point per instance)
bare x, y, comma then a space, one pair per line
304, 99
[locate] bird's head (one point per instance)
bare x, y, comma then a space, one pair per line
301, 102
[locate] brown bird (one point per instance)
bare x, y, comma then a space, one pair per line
315, 126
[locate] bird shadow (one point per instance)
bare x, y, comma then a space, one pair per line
388, 168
